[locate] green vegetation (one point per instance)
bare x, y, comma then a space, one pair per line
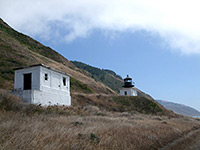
112, 73
77, 123
7, 63
107, 77
140, 104
30, 43
94, 139
79, 87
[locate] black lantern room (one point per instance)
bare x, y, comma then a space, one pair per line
128, 82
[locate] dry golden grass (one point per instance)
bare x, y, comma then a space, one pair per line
27, 127
113, 131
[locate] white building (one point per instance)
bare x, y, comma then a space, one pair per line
128, 88
40, 84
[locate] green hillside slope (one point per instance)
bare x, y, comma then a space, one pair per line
107, 77
32, 44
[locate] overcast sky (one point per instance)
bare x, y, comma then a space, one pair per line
176, 21
157, 42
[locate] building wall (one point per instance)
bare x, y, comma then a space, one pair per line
44, 91
51, 98
26, 95
129, 91
35, 80
44, 97
53, 91
54, 81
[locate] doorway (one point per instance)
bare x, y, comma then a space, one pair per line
125, 93
27, 81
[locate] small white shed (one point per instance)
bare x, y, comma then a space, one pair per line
41, 84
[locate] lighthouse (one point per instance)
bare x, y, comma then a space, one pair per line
128, 88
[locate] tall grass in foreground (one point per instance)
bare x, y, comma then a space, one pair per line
92, 128
19, 131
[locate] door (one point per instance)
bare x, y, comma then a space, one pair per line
27, 81
125, 92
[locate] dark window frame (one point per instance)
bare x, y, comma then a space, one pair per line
64, 81
46, 76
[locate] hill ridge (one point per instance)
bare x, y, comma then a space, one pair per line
114, 82
179, 108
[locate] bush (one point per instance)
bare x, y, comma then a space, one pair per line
94, 139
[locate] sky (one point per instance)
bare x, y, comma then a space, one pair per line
156, 42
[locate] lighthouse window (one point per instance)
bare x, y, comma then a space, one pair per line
64, 81
46, 76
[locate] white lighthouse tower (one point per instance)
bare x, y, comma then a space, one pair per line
128, 88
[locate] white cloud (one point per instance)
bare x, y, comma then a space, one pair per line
176, 21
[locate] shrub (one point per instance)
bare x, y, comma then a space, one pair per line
94, 139
76, 123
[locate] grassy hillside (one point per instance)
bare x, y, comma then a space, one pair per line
17, 49
87, 127
107, 77
33, 45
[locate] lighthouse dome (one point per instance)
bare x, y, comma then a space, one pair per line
128, 82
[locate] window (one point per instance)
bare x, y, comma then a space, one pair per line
27, 81
46, 76
64, 81
125, 93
